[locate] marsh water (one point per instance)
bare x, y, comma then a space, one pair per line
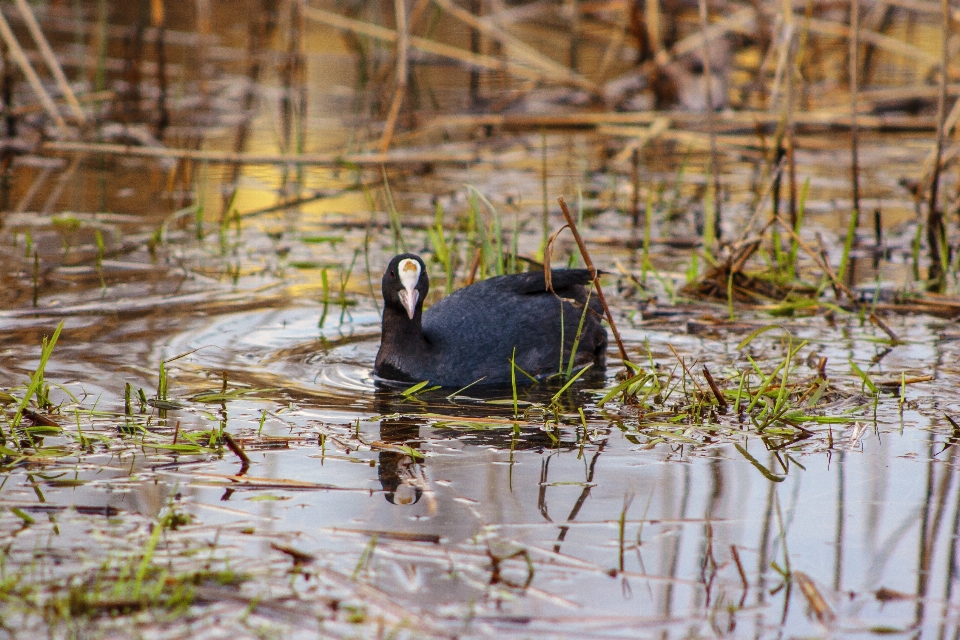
368, 512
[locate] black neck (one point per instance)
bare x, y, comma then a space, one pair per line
401, 330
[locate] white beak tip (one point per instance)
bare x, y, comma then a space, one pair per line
409, 271
408, 298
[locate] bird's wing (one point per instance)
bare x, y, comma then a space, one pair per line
533, 281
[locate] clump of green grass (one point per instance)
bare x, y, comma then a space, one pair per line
774, 403
121, 587
36, 387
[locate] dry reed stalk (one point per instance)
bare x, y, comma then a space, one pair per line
654, 20
854, 68
738, 21
743, 574
39, 181
686, 370
876, 19
923, 6
879, 40
98, 96
798, 51
203, 13
870, 96
825, 117
936, 230
264, 483
815, 601
717, 393
875, 319
711, 123
614, 45
228, 157
403, 46
389, 64
516, 49
474, 266
771, 184
929, 162
572, 223
641, 137
573, 55
817, 258
259, 30
6, 33
293, 100
782, 64
158, 21
237, 450
63, 179
476, 43
48, 56
423, 44
635, 179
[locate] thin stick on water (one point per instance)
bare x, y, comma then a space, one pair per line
572, 223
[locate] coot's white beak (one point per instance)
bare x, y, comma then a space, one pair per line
409, 277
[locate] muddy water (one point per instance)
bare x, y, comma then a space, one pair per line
443, 515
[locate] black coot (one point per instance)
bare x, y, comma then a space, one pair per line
471, 334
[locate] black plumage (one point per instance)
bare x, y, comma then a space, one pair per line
471, 334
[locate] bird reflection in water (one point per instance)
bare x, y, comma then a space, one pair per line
401, 475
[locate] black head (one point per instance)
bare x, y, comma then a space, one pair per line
405, 284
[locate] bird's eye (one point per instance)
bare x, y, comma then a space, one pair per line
393, 274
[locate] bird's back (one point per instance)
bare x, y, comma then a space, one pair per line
473, 332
